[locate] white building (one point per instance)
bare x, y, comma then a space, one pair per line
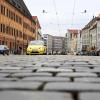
79, 41
48, 39
91, 35
55, 44
59, 45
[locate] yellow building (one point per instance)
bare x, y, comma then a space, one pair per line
16, 24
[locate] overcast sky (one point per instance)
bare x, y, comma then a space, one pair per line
61, 15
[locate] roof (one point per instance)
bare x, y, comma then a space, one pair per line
73, 31
20, 5
36, 20
94, 19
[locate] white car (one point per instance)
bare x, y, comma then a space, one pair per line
4, 50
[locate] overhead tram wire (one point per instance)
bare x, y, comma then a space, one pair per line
73, 13
55, 8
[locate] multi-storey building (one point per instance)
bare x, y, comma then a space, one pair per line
48, 39
74, 40
85, 39
38, 35
59, 45
79, 41
91, 35
55, 44
16, 24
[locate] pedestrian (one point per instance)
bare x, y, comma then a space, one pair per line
20, 50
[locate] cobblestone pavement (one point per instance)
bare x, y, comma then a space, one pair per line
50, 77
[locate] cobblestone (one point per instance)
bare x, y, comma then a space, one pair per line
75, 86
49, 77
88, 79
89, 96
30, 74
53, 70
15, 71
19, 85
76, 74
16, 95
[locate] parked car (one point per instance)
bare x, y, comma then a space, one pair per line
78, 53
4, 50
81, 53
98, 52
36, 47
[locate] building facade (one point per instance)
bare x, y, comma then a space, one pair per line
74, 40
79, 41
16, 25
38, 35
55, 44
48, 39
85, 39
59, 45
91, 35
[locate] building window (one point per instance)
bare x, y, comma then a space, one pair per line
7, 29
2, 9
1, 28
0, 42
7, 13
16, 18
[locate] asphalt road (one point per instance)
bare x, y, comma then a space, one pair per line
49, 77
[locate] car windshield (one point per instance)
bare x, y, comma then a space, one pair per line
36, 43
2, 46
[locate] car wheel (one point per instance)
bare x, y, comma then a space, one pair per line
27, 54
3, 53
7, 53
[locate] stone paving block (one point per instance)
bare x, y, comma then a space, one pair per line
89, 96
10, 68
30, 74
53, 70
51, 65
8, 79
72, 86
46, 79
31, 68
83, 69
4, 74
24, 95
77, 69
87, 65
76, 74
76, 63
15, 71
94, 70
19, 85
88, 79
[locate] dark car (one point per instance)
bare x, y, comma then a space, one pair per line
98, 52
4, 50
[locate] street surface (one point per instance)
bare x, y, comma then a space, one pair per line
49, 77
